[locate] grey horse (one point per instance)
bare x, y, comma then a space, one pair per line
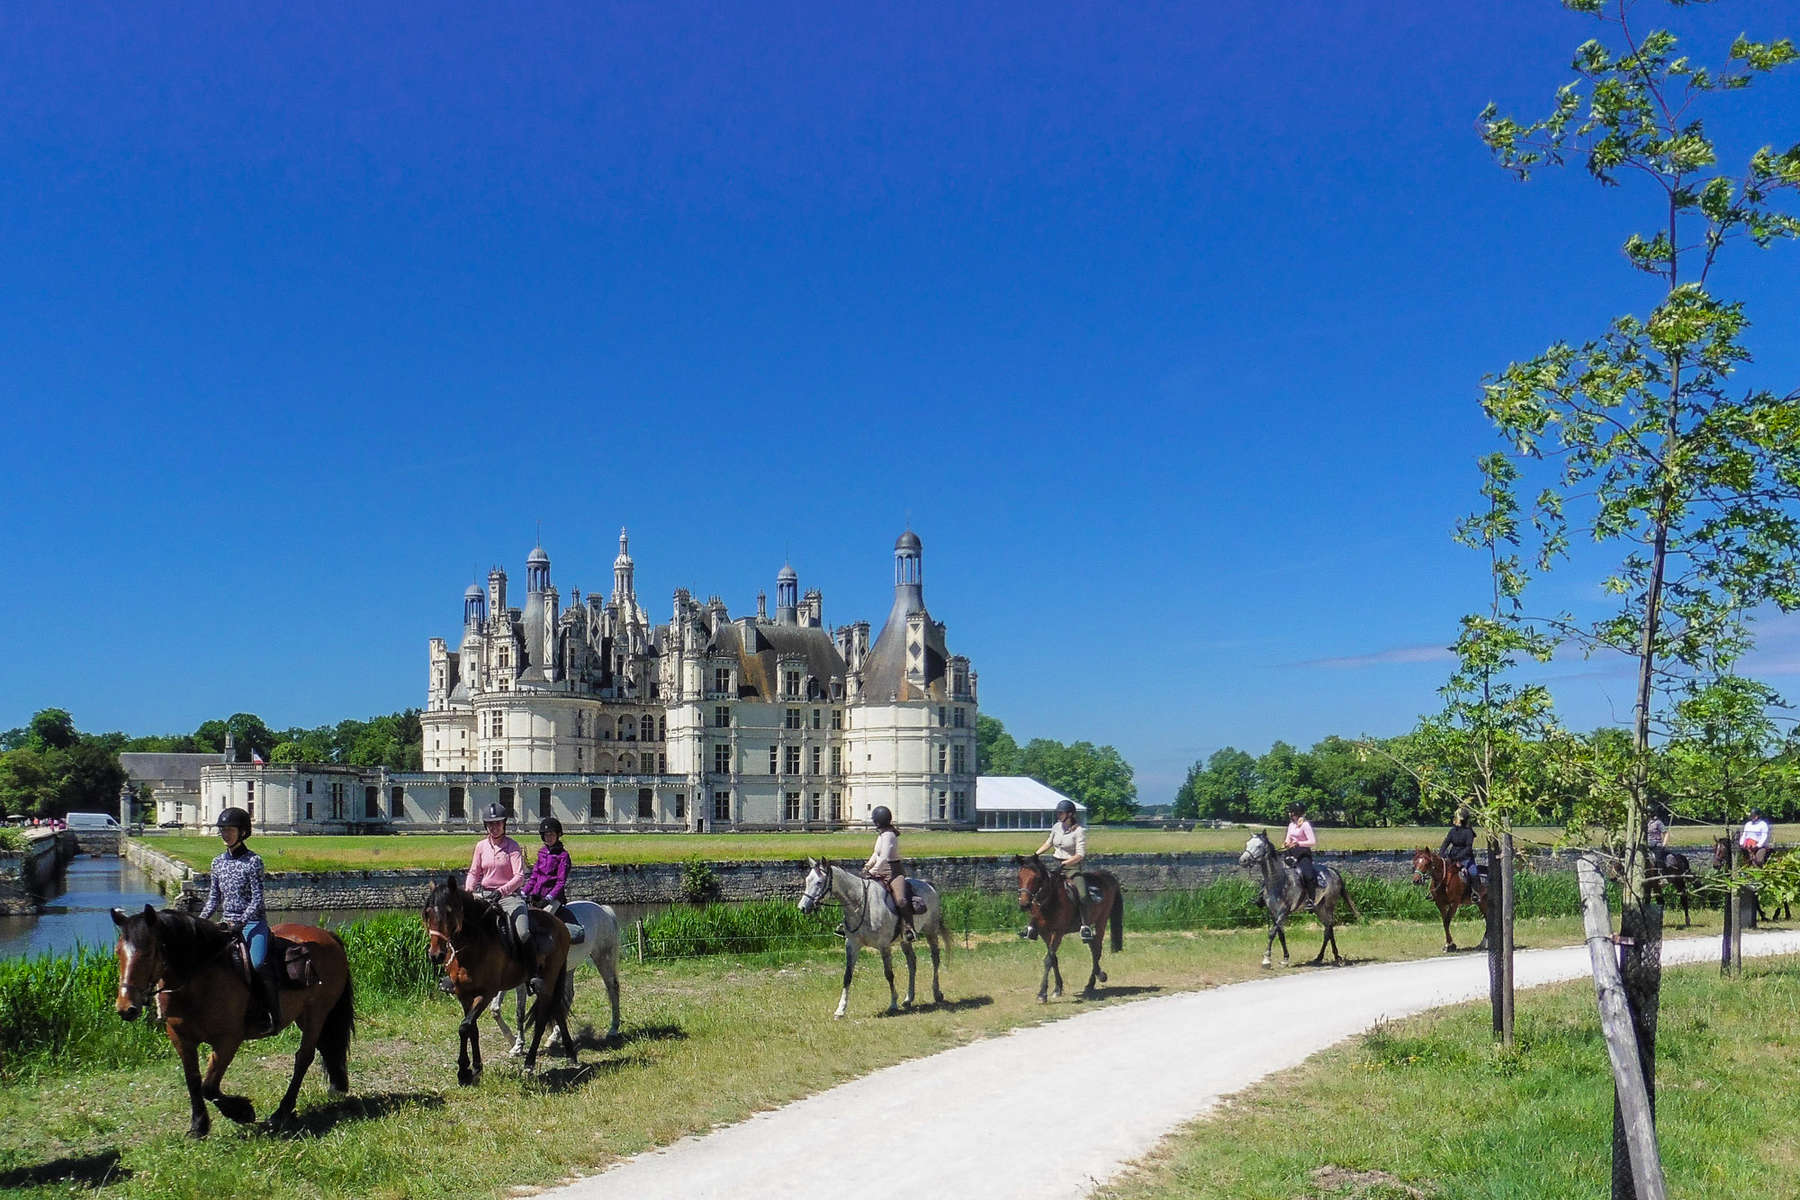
869, 920
1281, 896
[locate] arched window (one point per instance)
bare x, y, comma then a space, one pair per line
603, 763
647, 728
626, 728
627, 764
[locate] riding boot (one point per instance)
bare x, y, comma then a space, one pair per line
840, 930
1086, 932
264, 1010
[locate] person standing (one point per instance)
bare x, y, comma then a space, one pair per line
235, 890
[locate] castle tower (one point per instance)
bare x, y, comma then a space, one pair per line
623, 586
537, 572
474, 609
787, 596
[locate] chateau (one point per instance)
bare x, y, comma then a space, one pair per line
593, 714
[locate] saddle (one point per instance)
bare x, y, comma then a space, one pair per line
577, 934
914, 902
290, 964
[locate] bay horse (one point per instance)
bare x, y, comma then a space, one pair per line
870, 921
467, 936
1722, 862
1055, 913
1281, 896
202, 995
1449, 891
599, 945
1676, 872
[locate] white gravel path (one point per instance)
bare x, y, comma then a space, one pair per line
974, 1112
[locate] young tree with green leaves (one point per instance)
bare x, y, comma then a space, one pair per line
1651, 445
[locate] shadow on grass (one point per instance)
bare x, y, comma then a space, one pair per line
1103, 992
321, 1119
88, 1171
649, 1033
569, 1077
965, 1004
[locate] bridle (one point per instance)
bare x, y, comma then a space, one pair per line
1035, 895
137, 994
809, 901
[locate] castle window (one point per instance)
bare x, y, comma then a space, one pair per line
791, 759
722, 759
942, 805
943, 758
496, 759
837, 718
505, 659
309, 787
662, 764
722, 679
506, 802
790, 806
837, 760
959, 759
721, 806
790, 687
627, 729
813, 810
681, 806
458, 806
596, 804
816, 719
818, 755
647, 728
627, 764
496, 723
793, 718
943, 717
543, 803
646, 803
662, 725
774, 759
837, 806
722, 717
371, 804
397, 803
959, 714
959, 805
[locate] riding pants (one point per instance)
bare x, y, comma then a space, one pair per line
256, 942
1309, 874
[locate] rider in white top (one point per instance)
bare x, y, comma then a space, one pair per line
1755, 838
1068, 842
884, 865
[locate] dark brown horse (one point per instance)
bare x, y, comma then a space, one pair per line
1722, 862
467, 936
187, 966
1673, 872
1054, 912
1449, 891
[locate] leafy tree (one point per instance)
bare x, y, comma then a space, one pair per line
1657, 452
28, 785
995, 751
249, 735
89, 779
210, 738
51, 729
1096, 776
1220, 789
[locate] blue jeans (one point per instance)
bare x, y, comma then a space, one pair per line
256, 938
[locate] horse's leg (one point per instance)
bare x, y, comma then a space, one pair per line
541, 1012
1096, 975
851, 948
200, 1123
1269, 946
499, 1013
887, 968
912, 970
937, 993
303, 1057
1049, 962
1447, 911
609, 971
1056, 962
468, 1059
237, 1108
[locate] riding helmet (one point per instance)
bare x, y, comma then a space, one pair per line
494, 812
1064, 807
1296, 809
881, 818
235, 818
549, 825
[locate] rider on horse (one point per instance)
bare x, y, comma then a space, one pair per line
1458, 849
1657, 835
236, 886
1755, 838
1298, 846
550, 870
1068, 842
884, 866
498, 869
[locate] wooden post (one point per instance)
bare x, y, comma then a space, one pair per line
1506, 938
640, 939
1496, 963
1630, 1093
1737, 915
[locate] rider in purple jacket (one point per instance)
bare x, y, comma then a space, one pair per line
550, 872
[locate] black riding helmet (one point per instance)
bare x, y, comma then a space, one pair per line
881, 818
1064, 808
494, 812
235, 818
549, 825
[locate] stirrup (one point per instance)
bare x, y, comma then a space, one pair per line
909, 934
1087, 933
840, 931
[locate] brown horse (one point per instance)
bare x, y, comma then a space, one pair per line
1449, 891
1674, 872
467, 935
202, 995
1054, 912
1722, 862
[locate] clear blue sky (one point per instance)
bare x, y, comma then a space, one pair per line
1162, 324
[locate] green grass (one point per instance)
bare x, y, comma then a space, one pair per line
452, 850
1430, 1104
707, 1040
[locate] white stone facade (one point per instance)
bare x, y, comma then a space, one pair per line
595, 716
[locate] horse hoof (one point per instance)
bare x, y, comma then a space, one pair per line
1267, 964
465, 1077
518, 1049
1043, 999
200, 1130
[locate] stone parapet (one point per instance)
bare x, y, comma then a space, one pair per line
24, 878
166, 873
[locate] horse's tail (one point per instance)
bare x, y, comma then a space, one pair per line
1118, 920
1344, 887
335, 1034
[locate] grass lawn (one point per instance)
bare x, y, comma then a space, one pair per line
1428, 1109
446, 850
706, 1041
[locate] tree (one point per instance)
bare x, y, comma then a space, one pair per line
995, 751
1221, 789
1096, 776
51, 729
1656, 452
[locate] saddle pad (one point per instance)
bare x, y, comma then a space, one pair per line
296, 960
577, 934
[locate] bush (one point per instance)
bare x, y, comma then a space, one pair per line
12, 840
56, 1012
759, 927
698, 882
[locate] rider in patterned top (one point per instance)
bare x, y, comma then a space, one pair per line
884, 865
235, 890
1459, 848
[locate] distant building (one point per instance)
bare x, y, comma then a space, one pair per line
167, 786
592, 714
1018, 802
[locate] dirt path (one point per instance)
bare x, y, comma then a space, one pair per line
969, 1129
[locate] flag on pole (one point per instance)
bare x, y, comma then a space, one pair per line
256, 759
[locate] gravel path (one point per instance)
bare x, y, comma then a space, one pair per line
973, 1112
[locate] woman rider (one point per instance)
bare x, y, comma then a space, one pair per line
1458, 848
884, 865
1299, 845
1068, 842
236, 887
498, 867
550, 871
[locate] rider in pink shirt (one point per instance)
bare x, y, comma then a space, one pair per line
498, 866
1299, 845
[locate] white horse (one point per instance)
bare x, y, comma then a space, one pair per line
869, 921
600, 946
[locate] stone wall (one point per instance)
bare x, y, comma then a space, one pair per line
98, 841
660, 883
24, 878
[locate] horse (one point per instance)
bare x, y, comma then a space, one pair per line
1722, 862
1449, 891
1054, 913
1675, 872
870, 921
1281, 896
203, 995
599, 946
467, 936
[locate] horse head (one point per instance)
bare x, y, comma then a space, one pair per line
1256, 849
1423, 861
1034, 880
140, 960
443, 915
818, 882
1721, 853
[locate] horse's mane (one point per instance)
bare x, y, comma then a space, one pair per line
188, 943
475, 909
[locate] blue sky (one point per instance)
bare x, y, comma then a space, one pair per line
1164, 328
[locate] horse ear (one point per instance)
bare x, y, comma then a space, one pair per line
1018, 860
119, 918
150, 914
451, 878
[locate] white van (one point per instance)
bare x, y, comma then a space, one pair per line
92, 820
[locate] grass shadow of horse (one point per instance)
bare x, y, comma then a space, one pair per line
1114, 992
967, 1003
320, 1120
91, 1171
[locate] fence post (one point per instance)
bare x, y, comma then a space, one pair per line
640, 939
